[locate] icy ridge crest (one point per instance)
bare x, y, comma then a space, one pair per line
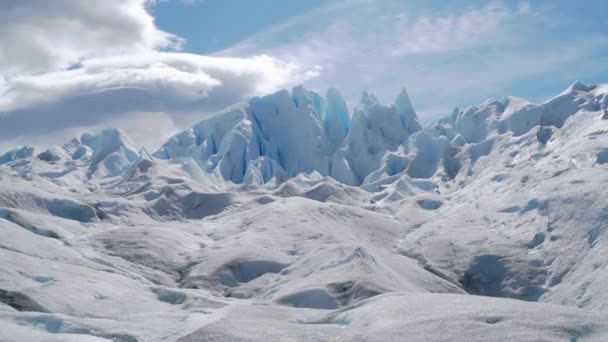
270, 139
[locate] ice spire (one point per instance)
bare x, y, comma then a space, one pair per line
406, 112
336, 119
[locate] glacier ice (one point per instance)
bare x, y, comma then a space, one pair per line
336, 118
16, 153
288, 134
293, 217
406, 112
262, 140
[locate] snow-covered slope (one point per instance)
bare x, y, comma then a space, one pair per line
288, 217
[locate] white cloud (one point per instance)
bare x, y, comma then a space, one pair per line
104, 89
72, 64
447, 55
352, 29
371, 45
145, 129
69, 65
434, 34
189, 77
39, 35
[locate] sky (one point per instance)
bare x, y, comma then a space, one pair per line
153, 67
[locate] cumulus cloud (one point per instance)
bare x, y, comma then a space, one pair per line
38, 35
188, 77
101, 89
72, 64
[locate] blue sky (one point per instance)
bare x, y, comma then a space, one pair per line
488, 49
213, 25
153, 67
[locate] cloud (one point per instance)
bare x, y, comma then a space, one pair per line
428, 34
146, 129
41, 35
190, 77
67, 65
449, 55
352, 29
366, 44
102, 89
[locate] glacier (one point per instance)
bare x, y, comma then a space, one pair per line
279, 136
294, 217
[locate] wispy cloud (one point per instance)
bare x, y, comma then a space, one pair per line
430, 33
447, 56
354, 28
